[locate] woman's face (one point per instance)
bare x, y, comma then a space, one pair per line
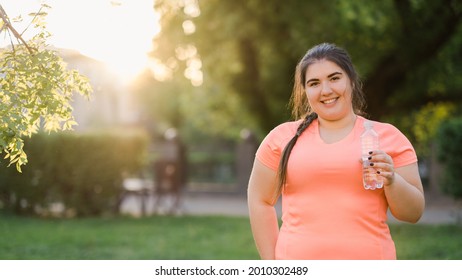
329, 90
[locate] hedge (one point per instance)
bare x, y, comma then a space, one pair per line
81, 173
449, 145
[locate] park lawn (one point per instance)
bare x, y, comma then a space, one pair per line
126, 238
187, 237
427, 242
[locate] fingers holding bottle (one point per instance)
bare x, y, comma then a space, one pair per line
383, 165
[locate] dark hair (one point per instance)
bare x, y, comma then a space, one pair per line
300, 106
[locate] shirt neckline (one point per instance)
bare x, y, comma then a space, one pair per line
347, 139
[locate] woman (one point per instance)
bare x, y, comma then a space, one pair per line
315, 164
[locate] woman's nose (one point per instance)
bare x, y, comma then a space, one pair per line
326, 89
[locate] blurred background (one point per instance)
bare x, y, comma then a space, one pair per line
211, 78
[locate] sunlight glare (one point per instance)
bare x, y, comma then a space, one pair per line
118, 33
160, 71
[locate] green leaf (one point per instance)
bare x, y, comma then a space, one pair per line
35, 85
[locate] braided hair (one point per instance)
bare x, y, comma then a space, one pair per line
301, 108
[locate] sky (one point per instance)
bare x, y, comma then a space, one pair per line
117, 32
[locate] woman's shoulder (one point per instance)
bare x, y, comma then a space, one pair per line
289, 127
381, 126
282, 132
388, 131
395, 143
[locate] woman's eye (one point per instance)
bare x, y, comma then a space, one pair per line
335, 78
313, 84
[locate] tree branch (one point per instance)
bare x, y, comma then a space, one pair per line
9, 26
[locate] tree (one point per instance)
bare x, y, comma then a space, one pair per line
199, 113
35, 87
405, 50
424, 31
238, 43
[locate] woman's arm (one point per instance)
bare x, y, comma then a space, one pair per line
405, 195
263, 218
403, 188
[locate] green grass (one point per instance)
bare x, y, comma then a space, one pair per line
188, 237
126, 238
427, 242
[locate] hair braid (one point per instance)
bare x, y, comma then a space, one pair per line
282, 170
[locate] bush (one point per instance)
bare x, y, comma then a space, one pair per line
449, 145
82, 172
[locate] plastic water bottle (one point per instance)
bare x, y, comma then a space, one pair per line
370, 142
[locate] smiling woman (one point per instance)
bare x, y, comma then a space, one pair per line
119, 33
314, 163
328, 90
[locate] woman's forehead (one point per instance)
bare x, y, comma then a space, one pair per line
322, 68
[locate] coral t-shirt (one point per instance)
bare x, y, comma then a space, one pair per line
326, 212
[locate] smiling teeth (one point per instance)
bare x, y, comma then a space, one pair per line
329, 101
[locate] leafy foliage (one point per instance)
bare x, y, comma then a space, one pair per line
450, 153
408, 52
36, 89
199, 113
84, 172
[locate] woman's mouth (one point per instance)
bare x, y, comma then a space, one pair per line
329, 101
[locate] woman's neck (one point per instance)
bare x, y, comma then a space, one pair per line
333, 131
341, 124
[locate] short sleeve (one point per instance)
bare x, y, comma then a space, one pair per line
397, 145
270, 150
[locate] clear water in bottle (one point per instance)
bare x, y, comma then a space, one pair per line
370, 142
